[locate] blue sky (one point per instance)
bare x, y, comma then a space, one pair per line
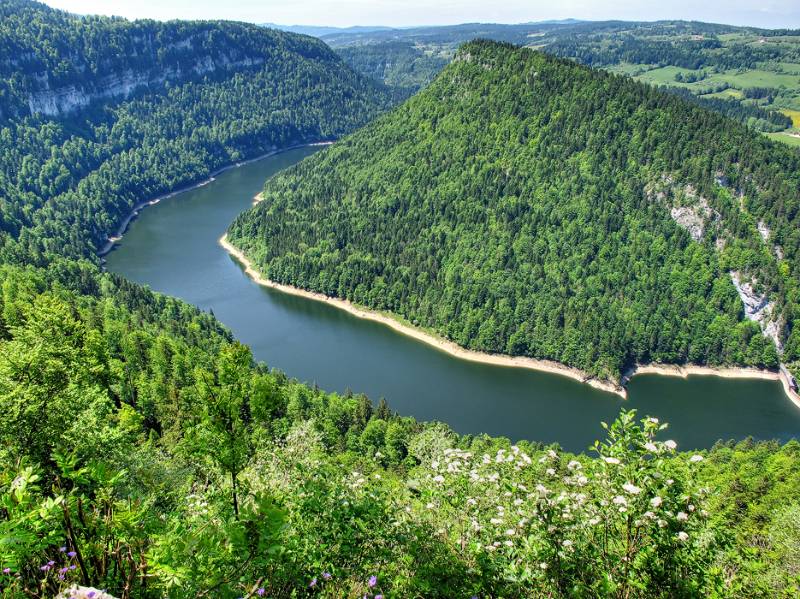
763, 13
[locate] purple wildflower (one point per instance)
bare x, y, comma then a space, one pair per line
378, 597
51, 563
327, 575
373, 580
90, 594
71, 553
313, 583
44, 568
6, 570
62, 549
260, 592
72, 567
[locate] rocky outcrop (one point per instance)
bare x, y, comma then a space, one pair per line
766, 234
758, 308
687, 208
693, 218
58, 101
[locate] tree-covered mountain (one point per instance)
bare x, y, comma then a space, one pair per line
68, 178
527, 205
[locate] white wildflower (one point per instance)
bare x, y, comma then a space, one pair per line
651, 447
631, 488
682, 516
696, 458
683, 537
670, 444
656, 501
610, 460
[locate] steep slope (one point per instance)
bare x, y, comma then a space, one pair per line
103, 113
526, 205
54, 63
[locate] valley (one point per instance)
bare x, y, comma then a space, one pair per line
319, 343
432, 239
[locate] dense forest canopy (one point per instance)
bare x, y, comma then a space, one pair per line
43, 51
523, 204
66, 183
142, 450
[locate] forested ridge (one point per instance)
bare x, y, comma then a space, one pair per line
144, 452
67, 183
522, 204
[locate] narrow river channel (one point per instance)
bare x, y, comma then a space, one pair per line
172, 247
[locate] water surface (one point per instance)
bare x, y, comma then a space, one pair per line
172, 247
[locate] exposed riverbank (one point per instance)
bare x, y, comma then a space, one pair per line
441, 344
504, 360
117, 237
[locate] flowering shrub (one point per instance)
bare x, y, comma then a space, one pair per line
628, 521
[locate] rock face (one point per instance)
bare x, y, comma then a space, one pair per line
758, 308
687, 208
58, 101
693, 219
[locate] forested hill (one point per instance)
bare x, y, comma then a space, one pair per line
67, 181
52, 62
528, 205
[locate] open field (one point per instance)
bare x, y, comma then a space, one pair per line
783, 137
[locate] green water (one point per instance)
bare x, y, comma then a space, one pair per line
172, 247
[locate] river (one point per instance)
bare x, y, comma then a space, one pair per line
173, 247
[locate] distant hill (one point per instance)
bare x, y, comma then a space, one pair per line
317, 31
524, 204
752, 75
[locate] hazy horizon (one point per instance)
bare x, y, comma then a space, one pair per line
774, 14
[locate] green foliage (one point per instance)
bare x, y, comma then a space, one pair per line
401, 66
521, 204
67, 182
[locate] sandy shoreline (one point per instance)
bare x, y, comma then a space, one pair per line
511, 361
440, 344
113, 239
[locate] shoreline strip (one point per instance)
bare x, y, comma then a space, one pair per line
123, 227
511, 361
441, 344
